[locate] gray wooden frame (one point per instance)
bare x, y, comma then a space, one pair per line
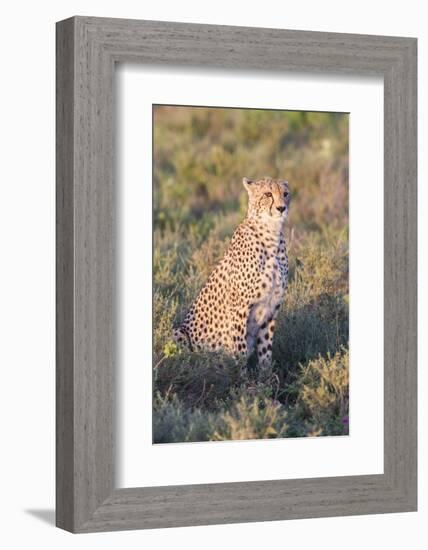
87, 50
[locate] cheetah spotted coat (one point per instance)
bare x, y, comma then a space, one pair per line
237, 307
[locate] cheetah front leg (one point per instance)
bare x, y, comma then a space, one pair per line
242, 335
264, 344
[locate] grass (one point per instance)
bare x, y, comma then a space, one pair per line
201, 156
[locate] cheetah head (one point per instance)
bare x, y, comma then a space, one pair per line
269, 199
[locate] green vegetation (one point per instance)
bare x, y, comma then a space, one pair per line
201, 156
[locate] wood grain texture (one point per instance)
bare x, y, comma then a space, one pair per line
64, 276
87, 50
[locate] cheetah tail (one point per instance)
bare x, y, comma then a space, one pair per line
181, 337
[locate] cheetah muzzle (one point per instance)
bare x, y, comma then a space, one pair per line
237, 307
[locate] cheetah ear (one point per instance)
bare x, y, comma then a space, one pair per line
247, 183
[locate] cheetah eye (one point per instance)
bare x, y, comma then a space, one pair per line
268, 194
286, 194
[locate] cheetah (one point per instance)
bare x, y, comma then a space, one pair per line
236, 309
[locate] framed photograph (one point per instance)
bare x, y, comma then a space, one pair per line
236, 274
222, 268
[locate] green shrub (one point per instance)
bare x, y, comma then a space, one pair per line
252, 419
173, 422
321, 389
